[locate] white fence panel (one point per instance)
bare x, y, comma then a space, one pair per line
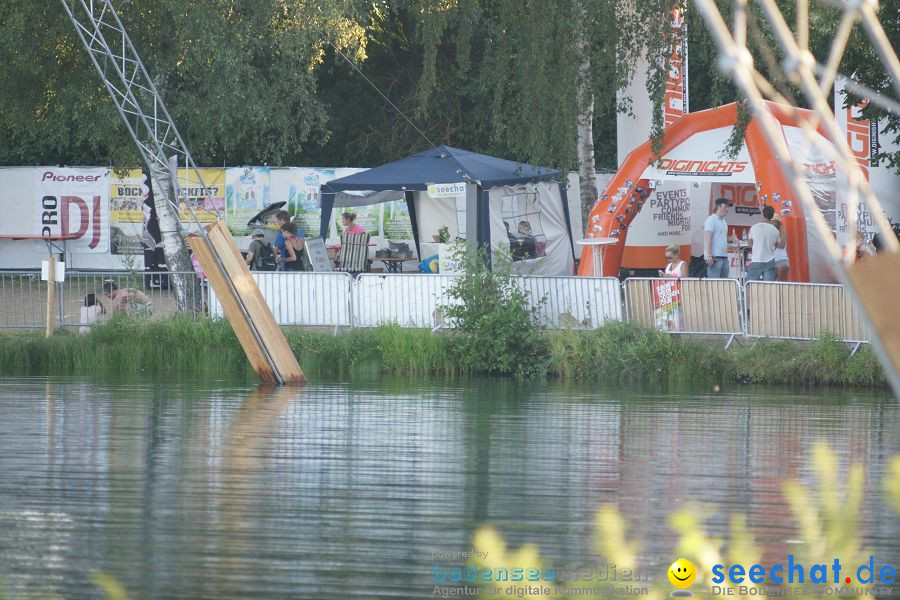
302, 298
575, 302
408, 300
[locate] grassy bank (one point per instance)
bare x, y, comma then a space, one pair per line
616, 352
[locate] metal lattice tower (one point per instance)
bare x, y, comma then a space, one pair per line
815, 81
132, 90
153, 130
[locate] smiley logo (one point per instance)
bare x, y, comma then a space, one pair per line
682, 573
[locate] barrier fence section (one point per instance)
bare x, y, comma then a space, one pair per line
801, 311
709, 306
23, 296
574, 302
410, 300
786, 310
302, 298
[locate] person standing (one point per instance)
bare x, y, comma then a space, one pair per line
293, 244
715, 247
764, 239
260, 255
675, 267
281, 217
782, 266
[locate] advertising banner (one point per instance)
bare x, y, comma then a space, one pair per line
70, 201
127, 192
246, 193
675, 104
395, 221
667, 305
205, 199
699, 159
866, 140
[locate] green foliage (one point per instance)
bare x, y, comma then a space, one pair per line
496, 334
625, 352
238, 79
495, 329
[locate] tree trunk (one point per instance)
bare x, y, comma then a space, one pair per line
587, 175
178, 258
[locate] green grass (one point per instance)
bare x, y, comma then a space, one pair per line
617, 352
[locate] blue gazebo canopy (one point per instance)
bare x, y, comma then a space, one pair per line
441, 164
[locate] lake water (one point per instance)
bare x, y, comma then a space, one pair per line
181, 489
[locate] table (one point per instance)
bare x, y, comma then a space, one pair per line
596, 245
393, 264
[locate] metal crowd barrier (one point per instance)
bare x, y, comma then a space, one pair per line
801, 311
709, 306
410, 300
23, 296
575, 302
301, 298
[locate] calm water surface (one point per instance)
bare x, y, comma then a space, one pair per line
224, 490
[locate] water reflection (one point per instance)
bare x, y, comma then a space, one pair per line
185, 489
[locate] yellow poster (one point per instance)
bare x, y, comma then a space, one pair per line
206, 197
127, 191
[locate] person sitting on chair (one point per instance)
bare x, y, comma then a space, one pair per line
347, 220
528, 242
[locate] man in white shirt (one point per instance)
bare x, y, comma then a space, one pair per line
715, 248
764, 238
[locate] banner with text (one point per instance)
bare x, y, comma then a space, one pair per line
127, 192
205, 198
667, 305
866, 140
73, 202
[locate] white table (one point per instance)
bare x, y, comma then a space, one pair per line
597, 245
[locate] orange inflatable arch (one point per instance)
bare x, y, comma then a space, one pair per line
626, 193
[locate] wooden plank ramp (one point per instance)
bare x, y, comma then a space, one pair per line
876, 281
255, 327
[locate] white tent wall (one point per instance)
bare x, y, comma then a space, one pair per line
558, 258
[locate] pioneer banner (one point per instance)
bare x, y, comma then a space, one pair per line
73, 202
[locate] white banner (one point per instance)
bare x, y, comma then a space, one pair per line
866, 138
73, 202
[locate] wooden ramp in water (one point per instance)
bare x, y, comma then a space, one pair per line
244, 306
876, 283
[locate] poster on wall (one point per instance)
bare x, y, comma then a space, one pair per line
303, 202
396, 224
72, 202
246, 193
667, 307
127, 192
205, 198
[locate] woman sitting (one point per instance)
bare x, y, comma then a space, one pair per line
675, 267
347, 220
293, 246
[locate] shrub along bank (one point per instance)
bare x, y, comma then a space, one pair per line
617, 352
